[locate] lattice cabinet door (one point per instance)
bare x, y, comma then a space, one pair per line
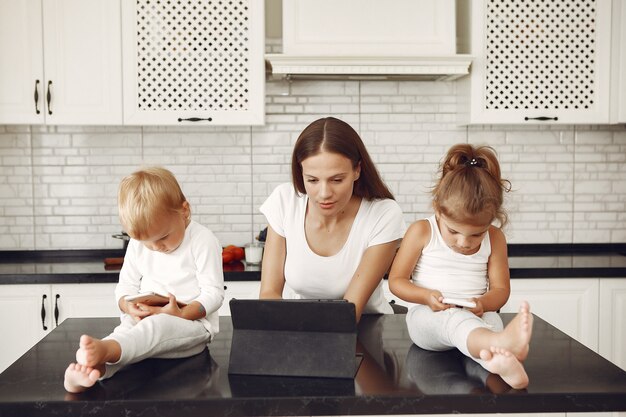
193, 62
540, 61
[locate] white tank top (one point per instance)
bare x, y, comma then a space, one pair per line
454, 274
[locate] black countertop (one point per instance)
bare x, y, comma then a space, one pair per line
395, 377
525, 261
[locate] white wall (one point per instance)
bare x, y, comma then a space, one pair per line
58, 184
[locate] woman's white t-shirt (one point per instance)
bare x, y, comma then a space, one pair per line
309, 275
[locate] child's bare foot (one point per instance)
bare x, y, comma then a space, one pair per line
502, 362
79, 377
94, 352
516, 335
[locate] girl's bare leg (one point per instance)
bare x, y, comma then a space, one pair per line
515, 337
502, 362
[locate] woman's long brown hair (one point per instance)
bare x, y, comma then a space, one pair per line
333, 135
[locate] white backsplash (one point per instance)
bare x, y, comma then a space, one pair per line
58, 184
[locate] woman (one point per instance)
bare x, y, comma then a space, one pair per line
334, 232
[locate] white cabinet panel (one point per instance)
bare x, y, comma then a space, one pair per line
32, 312
84, 300
612, 313
239, 290
83, 61
66, 67
570, 305
21, 65
22, 325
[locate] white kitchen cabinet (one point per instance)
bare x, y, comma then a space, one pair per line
612, 313
240, 290
570, 305
187, 62
22, 325
539, 62
29, 312
61, 62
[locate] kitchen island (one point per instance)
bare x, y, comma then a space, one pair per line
395, 377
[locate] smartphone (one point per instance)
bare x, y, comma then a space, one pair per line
152, 299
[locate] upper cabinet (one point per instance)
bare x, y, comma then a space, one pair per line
540, 62
193, 62
61, 62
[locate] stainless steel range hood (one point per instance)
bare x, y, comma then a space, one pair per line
439, 68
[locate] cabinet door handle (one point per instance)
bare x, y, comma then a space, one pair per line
49, 96
56, 310
43, 312
541, 118
195, 119
37, 97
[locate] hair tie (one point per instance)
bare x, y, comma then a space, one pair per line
471, 162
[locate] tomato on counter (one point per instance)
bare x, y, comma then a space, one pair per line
227, 257
232, 253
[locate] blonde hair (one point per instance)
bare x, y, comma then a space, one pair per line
470, 188
146, 194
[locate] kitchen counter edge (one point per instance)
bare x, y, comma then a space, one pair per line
253, 273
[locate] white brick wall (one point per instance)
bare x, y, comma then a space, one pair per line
58, 184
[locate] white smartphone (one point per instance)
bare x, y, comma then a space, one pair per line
459, 302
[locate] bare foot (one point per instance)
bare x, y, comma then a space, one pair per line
516, 335
502, 362
94, 352
79, 377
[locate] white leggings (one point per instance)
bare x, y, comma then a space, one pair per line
448, 329
157, 336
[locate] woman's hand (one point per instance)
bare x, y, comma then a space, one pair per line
435, 301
